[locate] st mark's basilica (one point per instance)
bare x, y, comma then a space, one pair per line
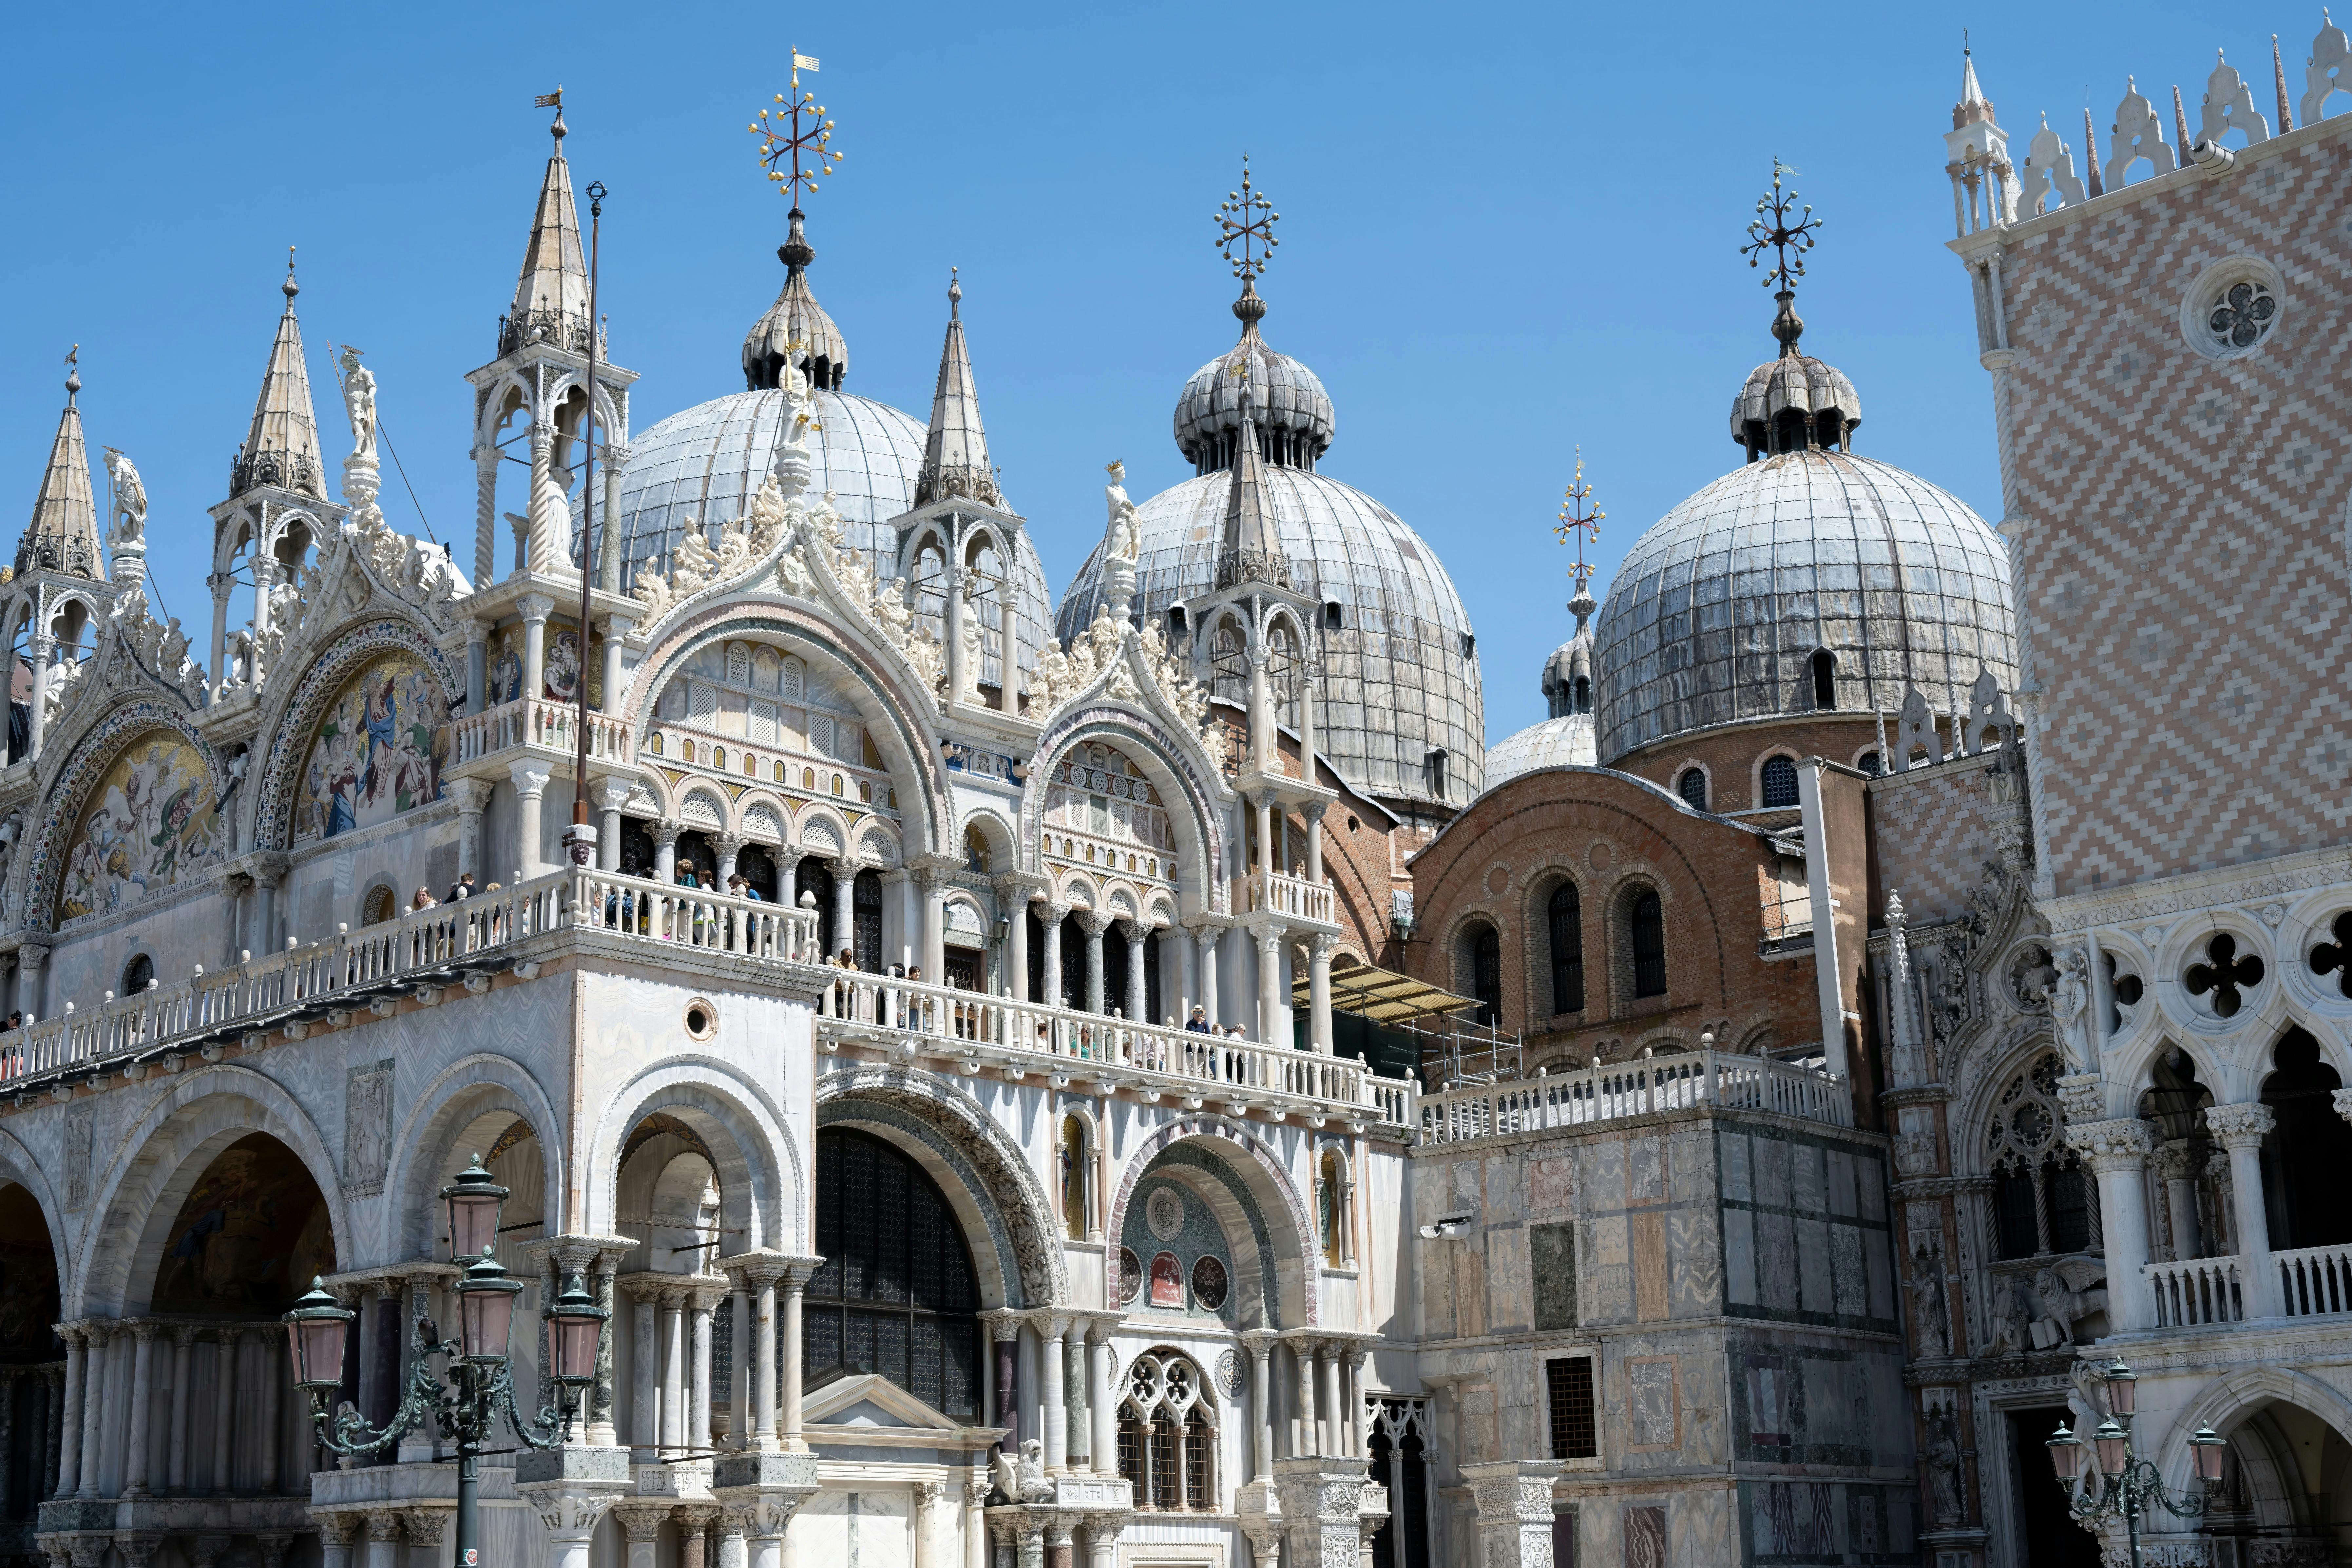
1131, 1079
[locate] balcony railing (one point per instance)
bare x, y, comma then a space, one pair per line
2196, 1292
533, 720
751, 928
1202, 1068
2315, 1281
1295, 897
1684, 1081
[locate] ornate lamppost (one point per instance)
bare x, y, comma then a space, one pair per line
479, 1383
2127, 1484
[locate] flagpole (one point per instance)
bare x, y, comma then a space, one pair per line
582, 836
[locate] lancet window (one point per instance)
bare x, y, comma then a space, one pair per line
1168, 1435
2043, 1199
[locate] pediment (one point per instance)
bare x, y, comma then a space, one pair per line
869, 1399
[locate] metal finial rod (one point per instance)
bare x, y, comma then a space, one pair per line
1788, 242
1246, 219
786, 140
1580, 519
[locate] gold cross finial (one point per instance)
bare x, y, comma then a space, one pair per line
1246, 219
1580, 519
785, 140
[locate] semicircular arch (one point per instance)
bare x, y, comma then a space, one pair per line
92, 753
296, 717
762, 1194
1261, 1171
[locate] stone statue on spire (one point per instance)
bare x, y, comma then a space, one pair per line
1120, 537
359, 401
130, 525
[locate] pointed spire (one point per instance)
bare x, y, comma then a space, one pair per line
63, 534
2091, 153
955, 453
796, 331
550, 301
1253, 544
2278, 71
1973, 106
282, 446
2179, 125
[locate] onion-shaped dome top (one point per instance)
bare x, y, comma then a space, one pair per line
702, 466
1722, 611
1287, 403
1792, 403
1560, 743
796, 329
1401, 668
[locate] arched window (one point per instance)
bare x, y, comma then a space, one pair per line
1870, 764
1073, 1155
1583, 694
897, 1294
1334, 1198
1483, 950
1779, 782
138, 975
1692, 787
2303, 1154
1564, 916
1168, 1435
1824, 665
381, 904
1645, 931
2040, 1198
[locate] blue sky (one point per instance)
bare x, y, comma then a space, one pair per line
1508, 231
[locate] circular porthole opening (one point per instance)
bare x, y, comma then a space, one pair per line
701, 1019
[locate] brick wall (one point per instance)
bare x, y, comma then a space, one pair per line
1732, 753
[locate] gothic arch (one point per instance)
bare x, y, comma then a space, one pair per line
988, 1179
134, 1203
290, 720
1262, 1172
762, 1181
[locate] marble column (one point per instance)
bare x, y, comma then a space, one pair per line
666, 834
336, 1533
976, 1487
2176, 1167
535, 608
477, 665
644, 1411
673, 1375
471, 795
1006, 1410
1078, 1442
729, 846
700, 1302
1513, 1498
1204, 970
932, 887
1139, 998
844, 907
1273, 1000
1319, 990
383, 1538
1302, 1363
1094, 922
1053, 1416
795, 1287
69, 1425
93, 1405
225, 1344
2116, 1152
1015, 904
529, 775
184, 1349
616, 632
739, 1363
1260, 1343
612, 794
641, 1525
1050, 934
694, 1521
486, 515
1102, 1401
2239, 1128
270, 1384
1313, 812
763, 1330
42, 647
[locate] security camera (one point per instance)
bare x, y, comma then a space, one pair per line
1448, 1226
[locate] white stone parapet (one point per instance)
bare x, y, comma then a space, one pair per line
1683, 1081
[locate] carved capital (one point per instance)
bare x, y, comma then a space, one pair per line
2238, 1126
2344, 1103
2112, 1145
426, 1525
335, 1529
534, 607
640, 1520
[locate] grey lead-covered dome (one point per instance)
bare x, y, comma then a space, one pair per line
703, 465
1564, 741
1717, 610
1401, 672
1287, 403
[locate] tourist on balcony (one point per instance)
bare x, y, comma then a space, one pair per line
425, 899
1197, 1024
463, 888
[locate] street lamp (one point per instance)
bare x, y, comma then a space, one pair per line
479, 1383
2126, 1484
